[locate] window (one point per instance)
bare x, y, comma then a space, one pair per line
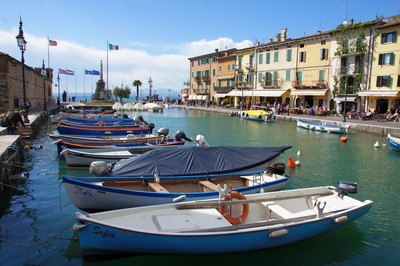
359, 45
213, 72
214, 59
251, 59
386, 59
302, 57
268, 79
276, 56
287, 75
260, 58
259, 77
323, 42
229, 67
289, 55
275, 79
398, 81
268, 59
220, 68
302, 45
388, 37
345, 46
192, 63
383, 81
323, 54
321, 75
240, 61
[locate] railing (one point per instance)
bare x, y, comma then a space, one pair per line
309, 83
223, 89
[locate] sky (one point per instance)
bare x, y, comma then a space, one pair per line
157, 37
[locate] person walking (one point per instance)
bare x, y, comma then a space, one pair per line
16, 103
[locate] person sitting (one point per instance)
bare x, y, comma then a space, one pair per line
368, 115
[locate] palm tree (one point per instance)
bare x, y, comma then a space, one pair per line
137, 83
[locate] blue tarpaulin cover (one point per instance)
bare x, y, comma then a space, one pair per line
195, 160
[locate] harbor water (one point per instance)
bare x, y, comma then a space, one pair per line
36, 216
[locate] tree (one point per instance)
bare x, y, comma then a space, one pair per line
137, 83
122, 93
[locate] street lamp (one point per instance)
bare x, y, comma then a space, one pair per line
22, 46
58, 85
150, 87
44, 86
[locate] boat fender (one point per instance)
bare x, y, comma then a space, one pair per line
278, 233
180, 198
340, 219
223, 210
78, 227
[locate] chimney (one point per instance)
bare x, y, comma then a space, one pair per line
278, 37
319, 31
283, 34
270, 40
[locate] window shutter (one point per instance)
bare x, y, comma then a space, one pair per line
259, 77
380, 60
289, 55
378, 81
389, 79
268, 59
394, 37
392, 59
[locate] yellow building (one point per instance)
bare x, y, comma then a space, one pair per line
384, 92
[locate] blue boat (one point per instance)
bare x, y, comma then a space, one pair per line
229, 224
394, 143
324, 127
65, 128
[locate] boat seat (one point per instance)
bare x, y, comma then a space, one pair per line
208, 184
282, 212
157, 187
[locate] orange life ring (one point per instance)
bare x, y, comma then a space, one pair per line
223, 210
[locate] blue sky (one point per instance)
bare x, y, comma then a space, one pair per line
157, 37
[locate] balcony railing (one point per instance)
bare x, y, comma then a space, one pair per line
201, 91
223, 89
309, 83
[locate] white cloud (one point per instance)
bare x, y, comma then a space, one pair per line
168, 71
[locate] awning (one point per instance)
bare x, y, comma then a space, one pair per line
184, 95
204, 97
318, 92
269, 92
191, 97
380, 93
348, 99
220, 95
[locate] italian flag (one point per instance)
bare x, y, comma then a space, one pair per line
113, 47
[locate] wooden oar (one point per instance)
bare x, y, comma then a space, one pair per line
217, 203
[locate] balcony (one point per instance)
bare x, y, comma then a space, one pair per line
249, 67
268, 84
311, 84
200, 91
205, 78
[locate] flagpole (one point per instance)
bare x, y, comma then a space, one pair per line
107, 65
76, 96
48, 52
84, 85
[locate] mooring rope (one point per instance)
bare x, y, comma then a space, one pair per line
48, 238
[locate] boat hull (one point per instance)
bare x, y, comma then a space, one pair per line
102, 130
321, 127
394, 143
150, 230
90, 194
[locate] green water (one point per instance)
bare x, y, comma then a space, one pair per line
35, 215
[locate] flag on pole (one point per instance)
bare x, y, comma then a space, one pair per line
88, 72
95, 72
70, 72
113, 47
62, 71
52, 43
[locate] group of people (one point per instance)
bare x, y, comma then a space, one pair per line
13, 120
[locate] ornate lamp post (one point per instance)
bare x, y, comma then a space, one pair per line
150, 87
22, 46
58, 85
44, 86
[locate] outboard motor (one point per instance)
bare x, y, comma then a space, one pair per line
346, 187
151, 126
276, 168
163, 131
98, 168
201, 141
180, 135
125, 116
139, 120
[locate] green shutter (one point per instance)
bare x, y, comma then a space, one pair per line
276, 56
378, 81
287, 75
380, 60
389, 81
394, 36
268, 59
392, 59
289, 55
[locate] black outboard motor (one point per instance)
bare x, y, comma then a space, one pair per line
180, 135
151, 126
163, 131
346, 187
276, 168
